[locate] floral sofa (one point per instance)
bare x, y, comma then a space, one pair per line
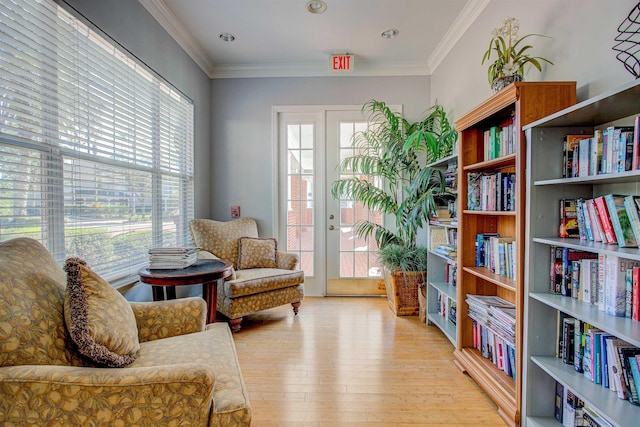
179, 371
263, 276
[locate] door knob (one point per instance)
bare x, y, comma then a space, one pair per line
331, 227
331, 216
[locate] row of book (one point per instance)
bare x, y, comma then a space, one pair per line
500, 140
613, 219
497, 253
608, 282
611, 150
172, 258
602, 358
451, 177
447, 308
572, 411
448, 251
491, 191
494, 325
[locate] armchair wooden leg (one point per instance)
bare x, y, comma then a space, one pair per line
296, 307
234, 324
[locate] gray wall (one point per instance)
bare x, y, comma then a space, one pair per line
242, 162
129, 24
581, 35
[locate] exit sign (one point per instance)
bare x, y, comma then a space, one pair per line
341, 63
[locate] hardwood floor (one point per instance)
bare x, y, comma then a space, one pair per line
346, 361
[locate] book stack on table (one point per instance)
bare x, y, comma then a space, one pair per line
172, 258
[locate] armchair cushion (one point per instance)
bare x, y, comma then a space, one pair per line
99, 319
256, 252
165, 319
221, 237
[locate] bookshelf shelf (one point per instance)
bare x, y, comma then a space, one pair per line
542, 368
513, 107
441, 294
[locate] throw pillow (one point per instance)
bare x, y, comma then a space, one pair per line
257, 253
99, 319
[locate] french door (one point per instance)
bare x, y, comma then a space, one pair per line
310, 143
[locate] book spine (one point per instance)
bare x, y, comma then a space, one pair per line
605, 220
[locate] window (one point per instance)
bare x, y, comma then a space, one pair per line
96, 151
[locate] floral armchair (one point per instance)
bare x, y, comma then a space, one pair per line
263, 276
181, 371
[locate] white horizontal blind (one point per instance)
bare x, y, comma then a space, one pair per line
96, 151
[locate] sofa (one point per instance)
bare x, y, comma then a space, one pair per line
106, 361
263, 277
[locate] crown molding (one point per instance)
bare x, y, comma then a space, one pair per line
463, 21
162, 14
159, 10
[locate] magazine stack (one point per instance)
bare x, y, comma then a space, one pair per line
172, 258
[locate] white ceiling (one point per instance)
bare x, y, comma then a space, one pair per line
280, 38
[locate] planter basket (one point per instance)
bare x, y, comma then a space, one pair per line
402, 292
504, 81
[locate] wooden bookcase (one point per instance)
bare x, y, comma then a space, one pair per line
438, 285
525, 102
546, 187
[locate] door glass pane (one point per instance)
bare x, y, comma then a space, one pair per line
357, 256
300, 174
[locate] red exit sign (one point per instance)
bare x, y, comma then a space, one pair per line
341, 63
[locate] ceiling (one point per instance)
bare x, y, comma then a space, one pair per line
280, 38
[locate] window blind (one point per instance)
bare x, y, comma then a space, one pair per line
96, 150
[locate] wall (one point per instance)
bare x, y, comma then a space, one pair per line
581, 32
242, 155
129, 23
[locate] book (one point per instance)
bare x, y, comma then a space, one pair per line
620, 221
473, 190
632, 212
568, 218
598, 234
635, 293
600, 206
635, 164
559, 401
568, 337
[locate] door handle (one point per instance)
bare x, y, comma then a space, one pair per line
331, 227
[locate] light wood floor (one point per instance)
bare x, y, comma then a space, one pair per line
346, 361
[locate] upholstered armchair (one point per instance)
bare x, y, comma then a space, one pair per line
263, 277
57, 354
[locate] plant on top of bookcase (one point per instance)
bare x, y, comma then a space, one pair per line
511, 56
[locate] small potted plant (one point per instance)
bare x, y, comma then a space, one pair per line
511, 54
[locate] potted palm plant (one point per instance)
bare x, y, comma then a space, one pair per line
389, 175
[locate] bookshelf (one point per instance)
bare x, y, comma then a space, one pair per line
441, 290
546, 187
520, 103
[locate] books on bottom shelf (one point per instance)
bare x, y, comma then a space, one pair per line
608, 282
494, 325
172, 258
571, 411
601, 357
447, 308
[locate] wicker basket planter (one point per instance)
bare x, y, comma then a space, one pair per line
402, 292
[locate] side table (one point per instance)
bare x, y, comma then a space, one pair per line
205, 271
